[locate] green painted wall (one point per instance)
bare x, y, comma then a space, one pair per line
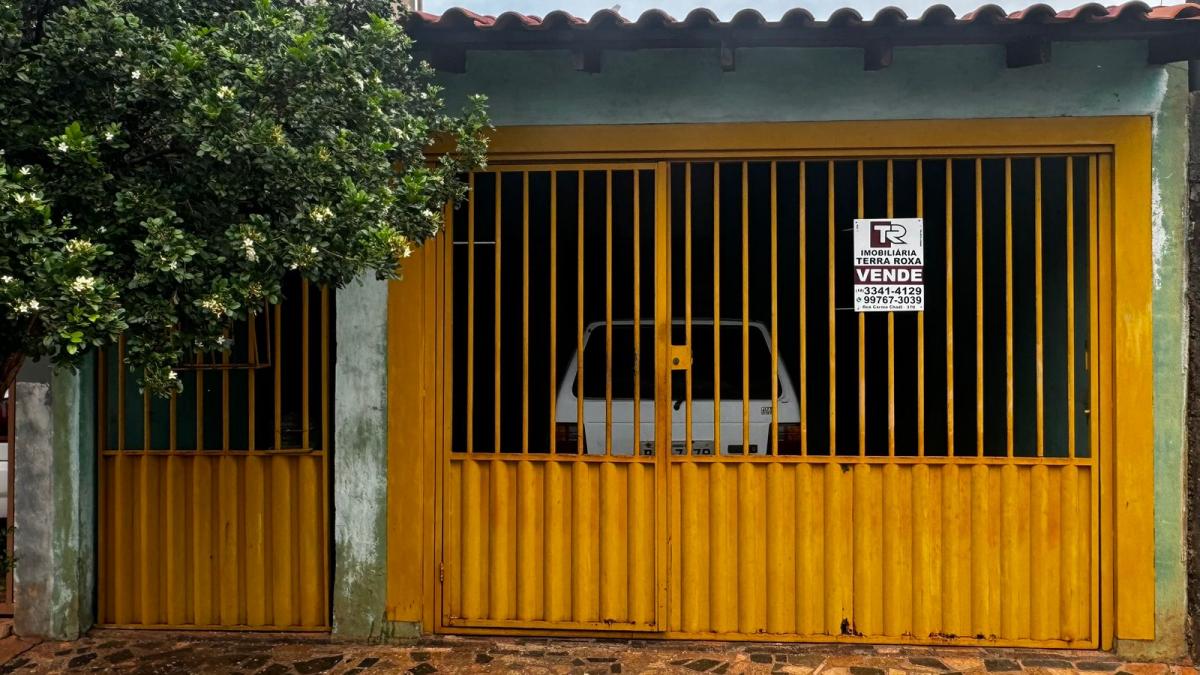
1170, 368
54, 506
778, 84
775, 85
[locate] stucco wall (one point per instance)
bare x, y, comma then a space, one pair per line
781, 85
1170, 370
360, 460
54, 504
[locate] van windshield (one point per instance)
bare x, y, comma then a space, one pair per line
702, 363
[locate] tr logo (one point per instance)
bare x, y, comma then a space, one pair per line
885, 234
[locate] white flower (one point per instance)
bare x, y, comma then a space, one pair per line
313, 250
293, 266
108, 135
83, 284
320, 214
78, 246
137, 75
5, 279
20, 198
120, 53
26, 306
173, 265
225, 92
63, 147
172, 375
248, 247
25, 170
214, 305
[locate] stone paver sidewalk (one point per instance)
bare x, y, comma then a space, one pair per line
108, 651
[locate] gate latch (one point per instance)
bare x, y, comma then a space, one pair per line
681, 357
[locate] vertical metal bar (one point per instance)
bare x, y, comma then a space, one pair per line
832, 320
1099, 196
637, 313
496, 336
774, 314
745, 308
470, 414
121, 393
325, 371
145, 420
579, 262
324, 393
921, 327
979, 306
305, 439
199, 403
803, 274
608, 315
325, 412
525, 312
891, 332
662, 389
278, 377
553, 311
1008, 307
687, 302
862, 345
102, 404
950, 307
1037, 278
173, 416
251, 382
225, 393
717, 309
1071, 306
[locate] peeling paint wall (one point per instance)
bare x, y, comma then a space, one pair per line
1170, 223
54, 506
360, 460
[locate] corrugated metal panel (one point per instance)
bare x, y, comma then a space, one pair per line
213, 541
885, 551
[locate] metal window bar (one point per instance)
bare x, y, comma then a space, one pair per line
761, 196
161, 434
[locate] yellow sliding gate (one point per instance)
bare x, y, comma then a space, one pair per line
663, 414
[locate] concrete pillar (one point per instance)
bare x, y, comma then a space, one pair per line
360, 461
54, 506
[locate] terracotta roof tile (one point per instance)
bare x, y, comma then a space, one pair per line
939, 15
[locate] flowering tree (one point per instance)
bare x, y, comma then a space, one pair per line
164, 163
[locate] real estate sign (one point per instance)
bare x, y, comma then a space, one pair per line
889, 265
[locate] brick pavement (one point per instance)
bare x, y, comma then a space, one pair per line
154, 653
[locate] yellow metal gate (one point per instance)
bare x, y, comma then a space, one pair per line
748, 457
213, 504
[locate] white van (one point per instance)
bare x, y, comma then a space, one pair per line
759, 352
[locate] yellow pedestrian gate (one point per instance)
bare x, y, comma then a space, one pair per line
213, 503
658, 411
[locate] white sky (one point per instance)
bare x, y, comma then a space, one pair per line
725, 9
